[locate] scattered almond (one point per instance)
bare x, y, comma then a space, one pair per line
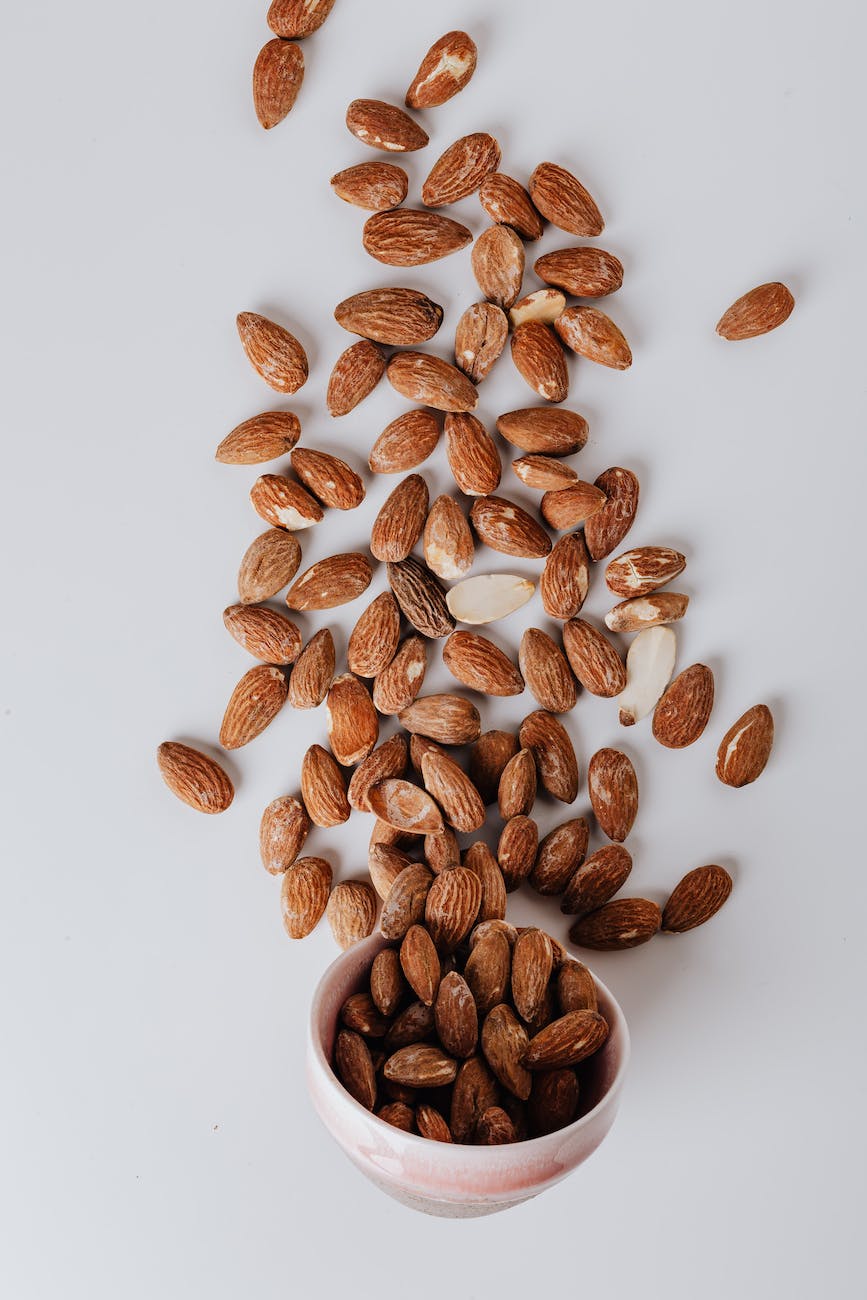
277, 76
592, 334
255, 701
400, 521
481, 665
488, 597
313, 672
323, 788
480, 338
582, 272
399, 317
424, 378
539, 359
351, 912
282, 832
273, 352
472, 455
194, 778
508, 204
697, 898
516, 793
444, 71
606, 529
461, 169
573, 505
508, 528
613, 788
479, 859
594, 660
405, 442
565, 578
622, 923
404, 904
295, 19
454, 792
447, 719
388, 760
757, 312
562, 198
330, 582
746, 747
684, 710
498, 264
304, 892
448, 542
546, 672
353, 725
549, 430
544, 472
543, 305
374, 640
270, 562
264, 633
420, 597
356, 373
649, 665
452, 906
261, 438
488, 758
560, 854
643, 569
554, 753
283, 503
516, 850
404, 805
639, 612
375, 186
384, 126
410, 237
396, 686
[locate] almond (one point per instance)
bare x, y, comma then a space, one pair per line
273, 352
353, 725
607, 528
546, 672
277, 76
582, 272
532, 963
565, 578
323, 788
389, 759
420, 597
570, 506
444, 71
409, 237
697, 898
488, 597
255, 701
399, 1114
472, 455
264, 633
351, 912
646, 611
421, 1066
261, 438
282, 832
448, 719
498, 264
374, 639
592, 334
544, 472
385, 863
448, 542
432, 381
405, 443
565, 202
329, 478
441, 848
396, 686
539, 359
375, 186
356, 373
475, 1091
622, 923
399, 317
649, 665
452, 906
576, 988
387, 985
508, 204
560, 855
418, 747
643, 569
400, 521
269, 563
384, 126
454, 792
295, 19
554, 753
613, 788
553, 432
404, 903
461, 169
684, 710
479, 859
509, 529
404, 805
304, 892
354, 1067
594, 660
495, 1128
283, 503
757, 312
488, 969
420, 965
415, 1023
544, 305
746, 747
481, 665
313, 672
330, 582
382, 833
516, 850
194, 778
505, 1043
567, 1041
517, 790
488, 758
553, 1102
480, 338
455, 1016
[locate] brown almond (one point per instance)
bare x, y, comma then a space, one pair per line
613, 789
683, 712
444, 71
481, 665
264, 633
448, 542
387, 986
421, 1065
409, 237
539, 360
375, 186
295, 19
554, 753
549, 430
384, 126
399, 1114
546, 672
356, 373
517, 790
374, 640
404, 904
270, 562
498, 264
562, 198
400, 521
474, 1092
304, 892
405, 443
508, 204
432, 381
472, 455
594, 660
453, 790
447, 719
479, 859
582, 272
560, 854
354, 1067
273, 352
404, 805
565, 579
643, 569
323, 788
277, 76
421, 965
505, 1044
488, 758
441, 849
361, 1014
382, 833
553, 1102
508, 528
385, 862
746, 747
313, 672
282, 831
495, 1128
330, 582
455, 1015
655, 610
484, 928
480, 337
532, 964
516, 850
596, 880
283, 503
592, 334
194, 778
431, 1124
255, 701
567, 1041
388, 760
544, 472
351, 912
696, 898
420, 597
461, 169
396, 686
353, 725
606, 529
488, 970
329, 478
622, 923
398, 317
413, 1025
757, 312
261, 438
570, 506
451, 907
418, 747
576, 988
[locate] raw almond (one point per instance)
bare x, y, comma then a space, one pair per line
329, 478
389, 759
420, 597
354, 1066
420, 964
622, 923
356, 373
282, 832
560, 855
562, 198
353, 725
384, 126
399, 317
261, 438
374, 640
396, 686
570, 506
461, 169
448, 719
404, 805
375, 186
576, 988
508, 204
472, 455
454, 792
757, 312
264, 633
640, 612
382, 833
304, 892
539, 359
387, 985
474, 1092
283, 503
404, 903
273, 352
517, 790
385, 862
649, 665
361, 1014
505, 1043
606, 529
544, 472
448, 542
594, 660
565, 578
313, 672
546, 672
567, 1041
553, 1102
582, 272
509, 529
330, 582
405, 443
488, 758
421, 1065
516, 850
481, 665
323, 788
484, 928
277, 76
488, 597
532, 963
444, 71
409, 237
551, 431
400, 521
480, 338
697, 898
455, 1016
543, 305
488, 970
270, 562
479, 859
295, 19
495, 1128
613, 788
194, 778
351, 912
413, 1025
498, 264
554, 753
746, 747
432, 381
255, 701
684, 710
441, 850
643, 569
451, 907
592, 334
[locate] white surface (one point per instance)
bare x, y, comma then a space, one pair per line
157, 1137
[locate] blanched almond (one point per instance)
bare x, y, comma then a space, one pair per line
649, 665
488, 597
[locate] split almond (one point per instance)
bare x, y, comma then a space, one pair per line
592, 334
384, 126
480, 338
431, 381
539, 359
640, 612
488, 597
746, 747
400, 521
353, 725
254, 703
282, 831
444, 71
448, 542
461, 169
264, 633
543, 305
270, 562
643, 569
263, 437
697, 898
356, 373
409, 237
481, 665
330, 582
565, 578
273, 352
420, 596
508, 204
582, 272
613, 789
277, 76
684, 710
304, 892
472, 455
194, 778
375, 186
498, 264
329, 478
313, 672
562, 198
757, 312
399, 317
508, 528
594, 660
374, 640
649, 665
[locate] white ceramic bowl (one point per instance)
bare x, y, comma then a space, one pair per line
436, 1177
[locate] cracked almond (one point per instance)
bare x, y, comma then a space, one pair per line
444, 71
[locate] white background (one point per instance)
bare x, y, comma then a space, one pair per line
157, 1138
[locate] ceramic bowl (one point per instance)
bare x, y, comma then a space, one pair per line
454, 1181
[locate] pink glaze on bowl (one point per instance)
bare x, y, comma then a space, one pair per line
437, 1177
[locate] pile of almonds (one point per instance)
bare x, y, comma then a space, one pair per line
444, 904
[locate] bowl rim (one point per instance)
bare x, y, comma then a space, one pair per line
473, 1151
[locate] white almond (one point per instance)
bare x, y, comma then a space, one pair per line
545, 305
649, 665
487, 597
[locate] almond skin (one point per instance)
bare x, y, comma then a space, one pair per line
581, 272
546, 672
545, 473
495, 1128
576, 988
757, 312
255, 701
330, 582
396, 686
282, 831
405, 806
374, 640
567, 1041
385, 863
565, 579
487, 970
606, 529
481, 665
472, 455
553, 1103
431, 381
444, 71
550, 431
487, 762
643, 569
655, 610
421, 1065
498, 264
264, 633
405, 442
399, 317
554, 753
360, 1013
329, 478
295, 19
448, 542
592, 334
684, 710
447, 719
480, 337
697, 898
461, 169
277, 76
283, 503
313, 672
270, 562
539, 360
353, 725
194, 778
560, 855
562, 198
421, 598
508, 204
451, 907
387, 985
273, 352
351, 912
509, 529
746, 747
356, 373
516, 793
622, 923
384, 126
389, 759
263, 437
375, 186
593, 659
304, 892
573, 505
613, 788
354, 1067
323, 788
412, 237
400, 521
